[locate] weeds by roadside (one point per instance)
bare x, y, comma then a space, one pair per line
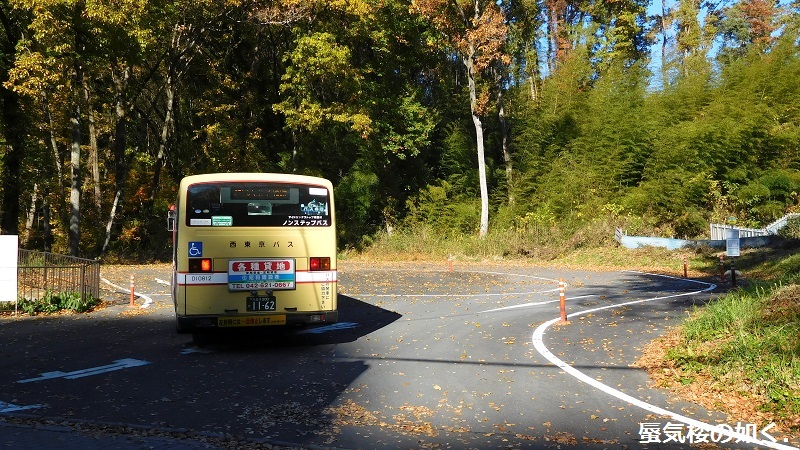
591, 249
739, 354
52, 303
746, 345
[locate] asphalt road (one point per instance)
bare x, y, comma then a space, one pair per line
423, 357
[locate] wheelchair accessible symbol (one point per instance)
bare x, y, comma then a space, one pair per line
195, 248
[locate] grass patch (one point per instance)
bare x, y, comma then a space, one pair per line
591, 248
742, 354
52, 303
426, 243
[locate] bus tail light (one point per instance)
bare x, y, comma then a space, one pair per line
320, 263
200, 265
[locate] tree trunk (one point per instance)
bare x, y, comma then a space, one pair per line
75, 170
506, 142
93, 151
558, 40
74, 232
664, 43
120, 162
110, 222
158, 164
534, 89
47, 230
53, 142
484, 228
31, 216
469, 61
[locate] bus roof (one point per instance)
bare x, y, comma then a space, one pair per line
255, 176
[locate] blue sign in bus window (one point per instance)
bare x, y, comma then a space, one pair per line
195, 249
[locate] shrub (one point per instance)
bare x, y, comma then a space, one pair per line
52, 302
792, 229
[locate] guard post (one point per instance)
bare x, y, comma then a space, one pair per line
132, 291
562, 300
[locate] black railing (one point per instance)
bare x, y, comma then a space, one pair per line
39, 273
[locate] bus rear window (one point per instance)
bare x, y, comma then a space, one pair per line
243, 204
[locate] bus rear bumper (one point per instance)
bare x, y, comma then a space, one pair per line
188, 324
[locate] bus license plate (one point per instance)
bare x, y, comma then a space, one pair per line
255, 304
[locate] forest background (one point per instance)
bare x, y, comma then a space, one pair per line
527, 123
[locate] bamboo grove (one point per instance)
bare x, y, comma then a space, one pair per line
463, 116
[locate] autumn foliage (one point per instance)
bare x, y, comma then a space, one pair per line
467, 116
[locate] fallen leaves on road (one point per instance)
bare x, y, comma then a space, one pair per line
600, 441
562, 437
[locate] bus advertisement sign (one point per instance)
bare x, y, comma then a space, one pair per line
260, 274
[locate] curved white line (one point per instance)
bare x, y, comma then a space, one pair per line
524, 305
538, 343
527, 305
147, 300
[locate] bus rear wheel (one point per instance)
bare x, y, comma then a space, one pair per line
179, 327
201, 339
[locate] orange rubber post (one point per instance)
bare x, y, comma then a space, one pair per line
562, 300
132, 291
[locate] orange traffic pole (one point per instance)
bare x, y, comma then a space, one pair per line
132, 290
562, 300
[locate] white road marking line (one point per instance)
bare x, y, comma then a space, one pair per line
10, 407
527, 305
524, 305
117, 365
190, 350
538, 343
326, 328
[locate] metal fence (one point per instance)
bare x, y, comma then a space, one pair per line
673, 244
719, 231
39, 273
774, 227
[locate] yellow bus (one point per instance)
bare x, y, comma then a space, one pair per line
253, 249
